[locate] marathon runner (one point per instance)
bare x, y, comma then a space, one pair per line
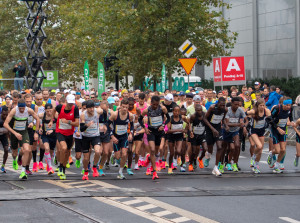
4, 136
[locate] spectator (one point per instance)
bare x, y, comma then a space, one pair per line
266, 93
273, 98
19, 71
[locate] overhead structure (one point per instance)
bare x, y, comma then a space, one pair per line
34, 41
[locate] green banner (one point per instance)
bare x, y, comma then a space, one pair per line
163, 79
86, 76
101, 80
51, 80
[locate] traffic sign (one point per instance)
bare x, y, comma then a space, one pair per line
187, 48
188, 64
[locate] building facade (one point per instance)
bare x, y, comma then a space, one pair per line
269, 37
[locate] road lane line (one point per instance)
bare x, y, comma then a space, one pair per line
103, 184
146, 207
289, 219
132, 210
180, 219
135, 201
58, 183
85, 185
162, 213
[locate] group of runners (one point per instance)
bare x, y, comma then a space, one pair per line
170, 130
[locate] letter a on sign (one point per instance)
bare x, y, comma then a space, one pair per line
188, 64
217, 67
233, 65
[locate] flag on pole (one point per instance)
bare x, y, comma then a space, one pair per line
86, 76
101, 80
163, 79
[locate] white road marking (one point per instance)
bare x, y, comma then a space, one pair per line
243, 157
180, 219
162, 213
289, 219
146, 207
132, 202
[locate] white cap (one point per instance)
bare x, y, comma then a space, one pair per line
169, 97
70, 99
116, 98
256, 83
214, 92
196, 98
73, 92
57, 90
113, 93
66, 91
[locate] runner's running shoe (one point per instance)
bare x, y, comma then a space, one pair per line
148, 172
28, 172
191, 168
101, 173
41, 166
229, 167
277, 170
221, 168
68, 165
216, 172
55, 161
155, 176
71, 160
182, 169
162, 164
129, 171
158, 168
256, 170
251, 162
121, 176
15, 164
140, 163
187, 158
23, 176
269, 159
35, 167
107, 166
170, 171
63, 176
50, 171
59, 173
136, 167
179, 161
3, 169
281, 166
95, 172
166, 164
296, 161
206, 162
235, 168
19, 162
201, 165
57, 169
85, 176
77, 163
147, 160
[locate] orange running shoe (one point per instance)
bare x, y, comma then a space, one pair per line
155, 175
191, 168
201, 165
70, 160
179, 161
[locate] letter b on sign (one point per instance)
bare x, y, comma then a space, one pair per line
50, 76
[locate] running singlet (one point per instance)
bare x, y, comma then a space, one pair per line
155, 117
19, 121
280, 116
121, 126
76, 129
65, 128
176, 125
103, 120
234, 117
92, 130
45, 126
198, 126
215, 118
260, 123
170, 107
2, 129
141, 108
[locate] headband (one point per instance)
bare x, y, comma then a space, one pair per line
21, 105
287, 102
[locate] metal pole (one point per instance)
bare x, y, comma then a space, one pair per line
188, 81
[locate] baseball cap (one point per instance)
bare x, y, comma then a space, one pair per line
73, 92
70, 99
66, 91
110, 100
214, 92
169, 97
256, 83
181, 93
196, 98
104, 93
82, 88
114, 93
116, 98
78, 93
57, 90
189, 95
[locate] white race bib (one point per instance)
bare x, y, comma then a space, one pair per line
20, 125
170, 114
92, 129
282, 122
233, 120
156, 121
64, 126
101, 127
199, 130
216, 119
176, 127
121, 129
259, 124
47, 127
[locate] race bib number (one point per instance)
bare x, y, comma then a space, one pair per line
170, 114
64, 126
282, 122
216, 119
156, 121
198, 130
259, 124
101, 127
121, 129
92, 129
233, 120
47, 128
176, 127
137, 126
20, 125
30, 119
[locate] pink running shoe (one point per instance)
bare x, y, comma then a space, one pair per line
35, 167
41, 166
95, 172
148, 172
158, 168
50, 171
162, 165
140, 163
147, 160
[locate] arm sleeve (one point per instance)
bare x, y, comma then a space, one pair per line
83, 127
76, 112
58, 108
110, 126
168, 118
131, 126
274, 112
141, 121
291, 115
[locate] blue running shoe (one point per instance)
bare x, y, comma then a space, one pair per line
206, 162
229, 167
3, 169
129, 171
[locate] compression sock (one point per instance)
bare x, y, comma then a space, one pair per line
42, 152
34, 156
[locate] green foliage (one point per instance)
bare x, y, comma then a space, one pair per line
143, 34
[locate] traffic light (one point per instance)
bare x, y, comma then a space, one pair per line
109, 62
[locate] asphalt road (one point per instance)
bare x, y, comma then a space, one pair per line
182, 197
